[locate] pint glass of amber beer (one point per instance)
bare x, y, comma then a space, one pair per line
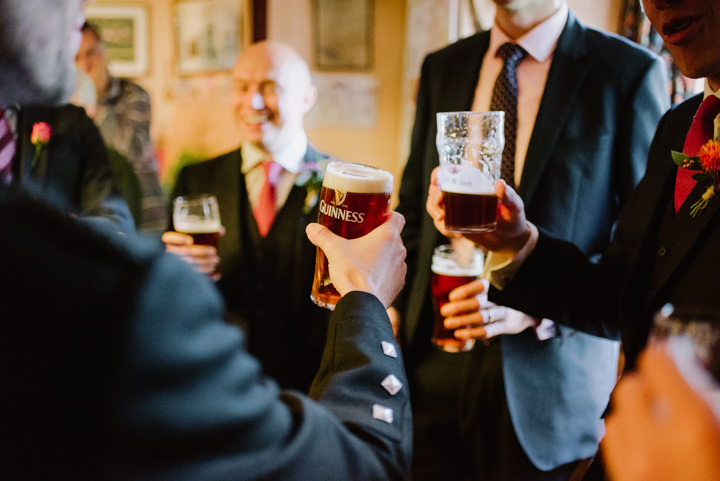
470, 146
451, 268
198, 216
354, 199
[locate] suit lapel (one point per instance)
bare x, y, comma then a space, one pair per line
460, 80
558, 101
26, 152
232, 192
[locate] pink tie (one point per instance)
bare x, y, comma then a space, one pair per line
701, 130
264, 209
7, 149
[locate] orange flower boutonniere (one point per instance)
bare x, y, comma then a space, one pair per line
40, 136
707, 165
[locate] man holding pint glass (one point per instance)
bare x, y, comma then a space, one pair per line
587, 104
267, 192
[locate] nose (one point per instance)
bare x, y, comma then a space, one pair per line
257, 101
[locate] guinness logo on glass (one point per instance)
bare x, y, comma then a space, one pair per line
340, 197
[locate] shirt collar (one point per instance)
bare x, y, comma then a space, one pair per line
709, 91
290, 157
540, 42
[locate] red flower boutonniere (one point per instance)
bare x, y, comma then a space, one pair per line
40, 136
707, 163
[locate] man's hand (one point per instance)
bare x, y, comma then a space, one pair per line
203, 258
374, 263
660, 429
512, 228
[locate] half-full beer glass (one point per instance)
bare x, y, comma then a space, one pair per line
354, 199
470, 146
451, 268
198, 216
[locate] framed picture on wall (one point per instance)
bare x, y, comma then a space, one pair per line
209, 34
124, 29
343, 34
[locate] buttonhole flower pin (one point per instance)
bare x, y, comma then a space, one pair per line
311, 177
707, 165
40, 136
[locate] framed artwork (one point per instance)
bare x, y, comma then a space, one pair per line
343, 35
124, 29
209, 34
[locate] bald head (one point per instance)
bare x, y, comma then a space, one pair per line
272, 92
276, 56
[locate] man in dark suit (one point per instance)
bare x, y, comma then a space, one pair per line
659, 251
125, 368
71, 168
588, 104
272, 91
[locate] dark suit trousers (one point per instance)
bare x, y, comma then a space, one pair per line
462, 426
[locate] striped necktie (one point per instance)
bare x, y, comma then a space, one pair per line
7, 149
504, 97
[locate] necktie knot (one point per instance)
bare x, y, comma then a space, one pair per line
272, 171
708, 110
511, 53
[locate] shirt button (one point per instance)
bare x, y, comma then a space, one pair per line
662, 251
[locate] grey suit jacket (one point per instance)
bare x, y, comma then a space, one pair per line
602, 101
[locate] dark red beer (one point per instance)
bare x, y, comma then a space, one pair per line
354, 199
470, 212
449, 271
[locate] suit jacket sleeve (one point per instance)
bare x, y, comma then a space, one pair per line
192, 404
99, 197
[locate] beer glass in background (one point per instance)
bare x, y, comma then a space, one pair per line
470, 146
198, 216
691, 335
452, 268
354, 199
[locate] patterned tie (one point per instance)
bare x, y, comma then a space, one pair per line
504, 97
7, 149
701, 130
264, 209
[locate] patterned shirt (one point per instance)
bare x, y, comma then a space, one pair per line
123, 117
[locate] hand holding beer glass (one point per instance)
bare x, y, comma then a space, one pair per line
354, 199
197, 219
470, 146
451, 268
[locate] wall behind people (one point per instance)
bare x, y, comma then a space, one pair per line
191, 115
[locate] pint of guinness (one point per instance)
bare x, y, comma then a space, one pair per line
354, 199
470, 146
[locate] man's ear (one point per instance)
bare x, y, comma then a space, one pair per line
309, 98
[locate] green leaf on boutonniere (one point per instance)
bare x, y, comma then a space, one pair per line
683, 160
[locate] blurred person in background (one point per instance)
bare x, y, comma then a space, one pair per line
123, 115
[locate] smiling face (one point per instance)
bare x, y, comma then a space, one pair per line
37, 50
271, 93
690, 31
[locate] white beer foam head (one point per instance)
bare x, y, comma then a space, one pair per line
454, 263
197, 225
363, 179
